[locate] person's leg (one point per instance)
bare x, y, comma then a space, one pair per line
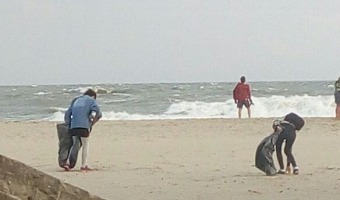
247, 105
239, 106
74, 151
249, 112
85, 151
279, 156
337, 102
289, 149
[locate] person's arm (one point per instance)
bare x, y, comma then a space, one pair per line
95, 108
234, 93
249, 95
67, 116
68, 113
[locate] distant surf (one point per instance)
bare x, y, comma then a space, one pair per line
169, 100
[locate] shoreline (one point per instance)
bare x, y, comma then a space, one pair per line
179, 119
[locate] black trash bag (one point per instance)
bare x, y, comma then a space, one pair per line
65, 143
264, 154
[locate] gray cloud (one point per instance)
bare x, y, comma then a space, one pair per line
50, 42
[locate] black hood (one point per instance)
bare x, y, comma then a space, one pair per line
296, 120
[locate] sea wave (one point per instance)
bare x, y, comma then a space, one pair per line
274, 106
55, 109
41, 93
97, 89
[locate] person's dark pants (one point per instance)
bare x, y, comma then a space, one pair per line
289, 135
65, 143
245, 102
74, 151
76, 133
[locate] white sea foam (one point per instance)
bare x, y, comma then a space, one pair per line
58, 109
115, 101
121, 94
57, 116
78, 90
41, 93
97, 89
274, 106
102, 90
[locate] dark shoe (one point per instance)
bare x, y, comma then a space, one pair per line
281, 172
296, 171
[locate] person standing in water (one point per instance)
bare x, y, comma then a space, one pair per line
337, 98
241, 94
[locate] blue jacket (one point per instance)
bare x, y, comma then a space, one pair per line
79, 114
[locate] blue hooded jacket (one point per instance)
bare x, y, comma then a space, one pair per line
79, 114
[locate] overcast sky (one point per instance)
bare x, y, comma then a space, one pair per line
143, 41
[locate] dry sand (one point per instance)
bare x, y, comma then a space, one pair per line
185, 159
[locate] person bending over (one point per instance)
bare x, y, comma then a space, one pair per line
82, 114
290, 125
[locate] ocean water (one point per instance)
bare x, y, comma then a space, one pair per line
169, 100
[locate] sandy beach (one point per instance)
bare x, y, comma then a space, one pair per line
185, 159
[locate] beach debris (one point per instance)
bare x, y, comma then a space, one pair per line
330, 168
254, 191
